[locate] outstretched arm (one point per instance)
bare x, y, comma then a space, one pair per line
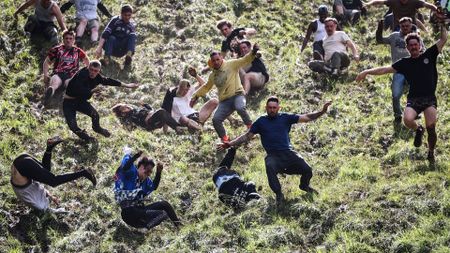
157, 179
443, 39
314, 115
236, 142
66, 6
430, 6
375, 71
59, 17
374, 2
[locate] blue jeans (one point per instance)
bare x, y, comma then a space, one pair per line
226, 108
398, 82
119, 47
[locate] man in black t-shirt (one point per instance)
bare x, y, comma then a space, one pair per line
79, 90
421, 74
232, 36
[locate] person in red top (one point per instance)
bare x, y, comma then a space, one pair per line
65, 59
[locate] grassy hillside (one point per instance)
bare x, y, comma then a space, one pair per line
377, 192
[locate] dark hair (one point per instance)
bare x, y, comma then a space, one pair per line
95, 64
68, 32
146, 162
222, 23
405, 19
412, 36
273, 99
331, 19
247, 42
126, 8
213, 53
323, 9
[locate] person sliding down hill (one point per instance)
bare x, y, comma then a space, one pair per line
421, 74
132, 185
233, 191
79, 90
274, 129
28, 174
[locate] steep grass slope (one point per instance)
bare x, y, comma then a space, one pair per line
377, 192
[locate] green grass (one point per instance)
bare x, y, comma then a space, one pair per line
377, 192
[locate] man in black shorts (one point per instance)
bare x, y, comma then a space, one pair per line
421, 74
79, 90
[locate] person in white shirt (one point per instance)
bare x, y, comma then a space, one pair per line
176, 101
335, 46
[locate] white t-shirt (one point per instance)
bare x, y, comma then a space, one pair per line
320, 32
180, 106
86, 8
33, 195
335, 43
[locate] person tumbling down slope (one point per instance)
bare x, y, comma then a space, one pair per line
420, 71
233, 191
274, 129
79, 90
132, 185
28, 174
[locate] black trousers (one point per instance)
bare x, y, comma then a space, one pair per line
31, 168
72, 106
149, 216
160, 118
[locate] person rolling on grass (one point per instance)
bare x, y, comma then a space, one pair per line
421, 74
28, 174
233, 191
133, 184
79, 90
274, 129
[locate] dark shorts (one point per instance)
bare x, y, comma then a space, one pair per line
63, 76
420, 104
194, 116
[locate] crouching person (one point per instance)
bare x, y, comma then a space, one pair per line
132, 185
233, 191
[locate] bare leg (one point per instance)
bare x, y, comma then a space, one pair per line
251, 81
81, 27
430, 121
207, 109
409, 118
94, 31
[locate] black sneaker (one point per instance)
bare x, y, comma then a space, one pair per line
280, 199
308, 189
91, 176
418, 137
102, 131
127, 61
48, 95
253, 195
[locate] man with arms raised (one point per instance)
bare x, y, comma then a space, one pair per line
421, 74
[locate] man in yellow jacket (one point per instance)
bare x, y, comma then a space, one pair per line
225, 77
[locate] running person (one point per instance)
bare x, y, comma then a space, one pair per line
274, 129
86, 17
420, 71
79, 90
66, 61
233, 191
28, 174
132, 185
225, 77
145, 117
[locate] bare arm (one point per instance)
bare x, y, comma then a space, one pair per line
307, 36
242, 139
98, 51
86, 61
430, 6
314, 115
250, 31
441, 42
375, 71
59, 17
193, 72
24, 6
352, 46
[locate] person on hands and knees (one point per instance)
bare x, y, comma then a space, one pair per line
133, 185
421, 74
274, 130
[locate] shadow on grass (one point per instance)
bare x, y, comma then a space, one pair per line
129, 236
83, 152
33, 227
